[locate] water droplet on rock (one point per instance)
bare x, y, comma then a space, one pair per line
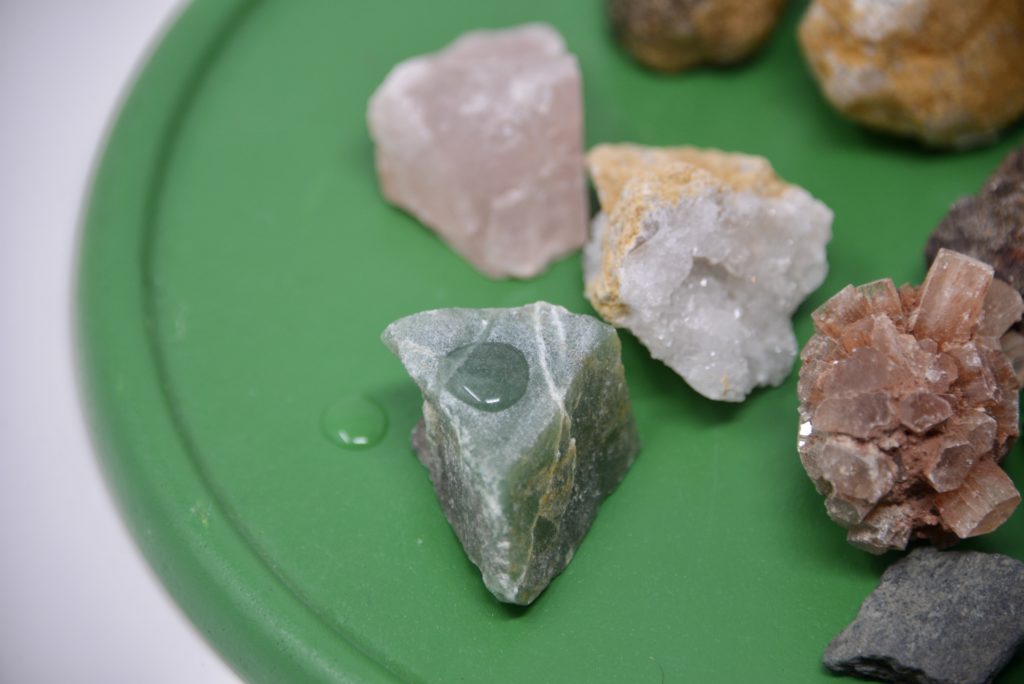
490, 376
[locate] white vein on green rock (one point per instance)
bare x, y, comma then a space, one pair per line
520, 485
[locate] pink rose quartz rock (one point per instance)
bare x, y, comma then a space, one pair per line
908, 403
483, 143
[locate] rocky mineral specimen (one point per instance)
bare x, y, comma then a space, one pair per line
937, 617
944, 71
527, 427
989, 226
671, 35
704, 255
482, 142
1013, 347
907, 405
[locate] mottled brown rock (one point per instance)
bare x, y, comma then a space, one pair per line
989, 226
947, 72
908, 404
672, 35
1013, 346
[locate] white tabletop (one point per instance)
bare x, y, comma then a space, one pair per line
77, 601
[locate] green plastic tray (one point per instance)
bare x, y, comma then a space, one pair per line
238, 267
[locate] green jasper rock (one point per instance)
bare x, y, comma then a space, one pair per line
527, 426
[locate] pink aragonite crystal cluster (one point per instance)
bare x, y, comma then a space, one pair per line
908, 404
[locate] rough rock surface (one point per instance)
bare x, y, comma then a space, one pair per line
989, 226
483, 142
937, 617
671, 35
907, 405
1013, 347
946, 72
527, 427
704, 255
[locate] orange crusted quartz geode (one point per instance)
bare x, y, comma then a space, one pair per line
908, 403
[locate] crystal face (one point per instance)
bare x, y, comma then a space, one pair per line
490, 376
704, 255
483, 143
945, 72
908, 403
520, 478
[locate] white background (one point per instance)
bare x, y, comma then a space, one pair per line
78, 604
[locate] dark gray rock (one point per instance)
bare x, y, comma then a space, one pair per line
937, 617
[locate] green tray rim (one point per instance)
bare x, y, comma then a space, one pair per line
241, 606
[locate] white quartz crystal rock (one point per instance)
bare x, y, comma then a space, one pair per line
704, 255
483, 142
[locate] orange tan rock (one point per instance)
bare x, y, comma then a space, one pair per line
947, 72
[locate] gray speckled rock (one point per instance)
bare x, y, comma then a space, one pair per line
527, 427
937, 617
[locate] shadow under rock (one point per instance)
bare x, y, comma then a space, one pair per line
593, 203
511, 611
816, 537
1014, 670
845, 132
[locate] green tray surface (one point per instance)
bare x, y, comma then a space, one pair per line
239, 265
